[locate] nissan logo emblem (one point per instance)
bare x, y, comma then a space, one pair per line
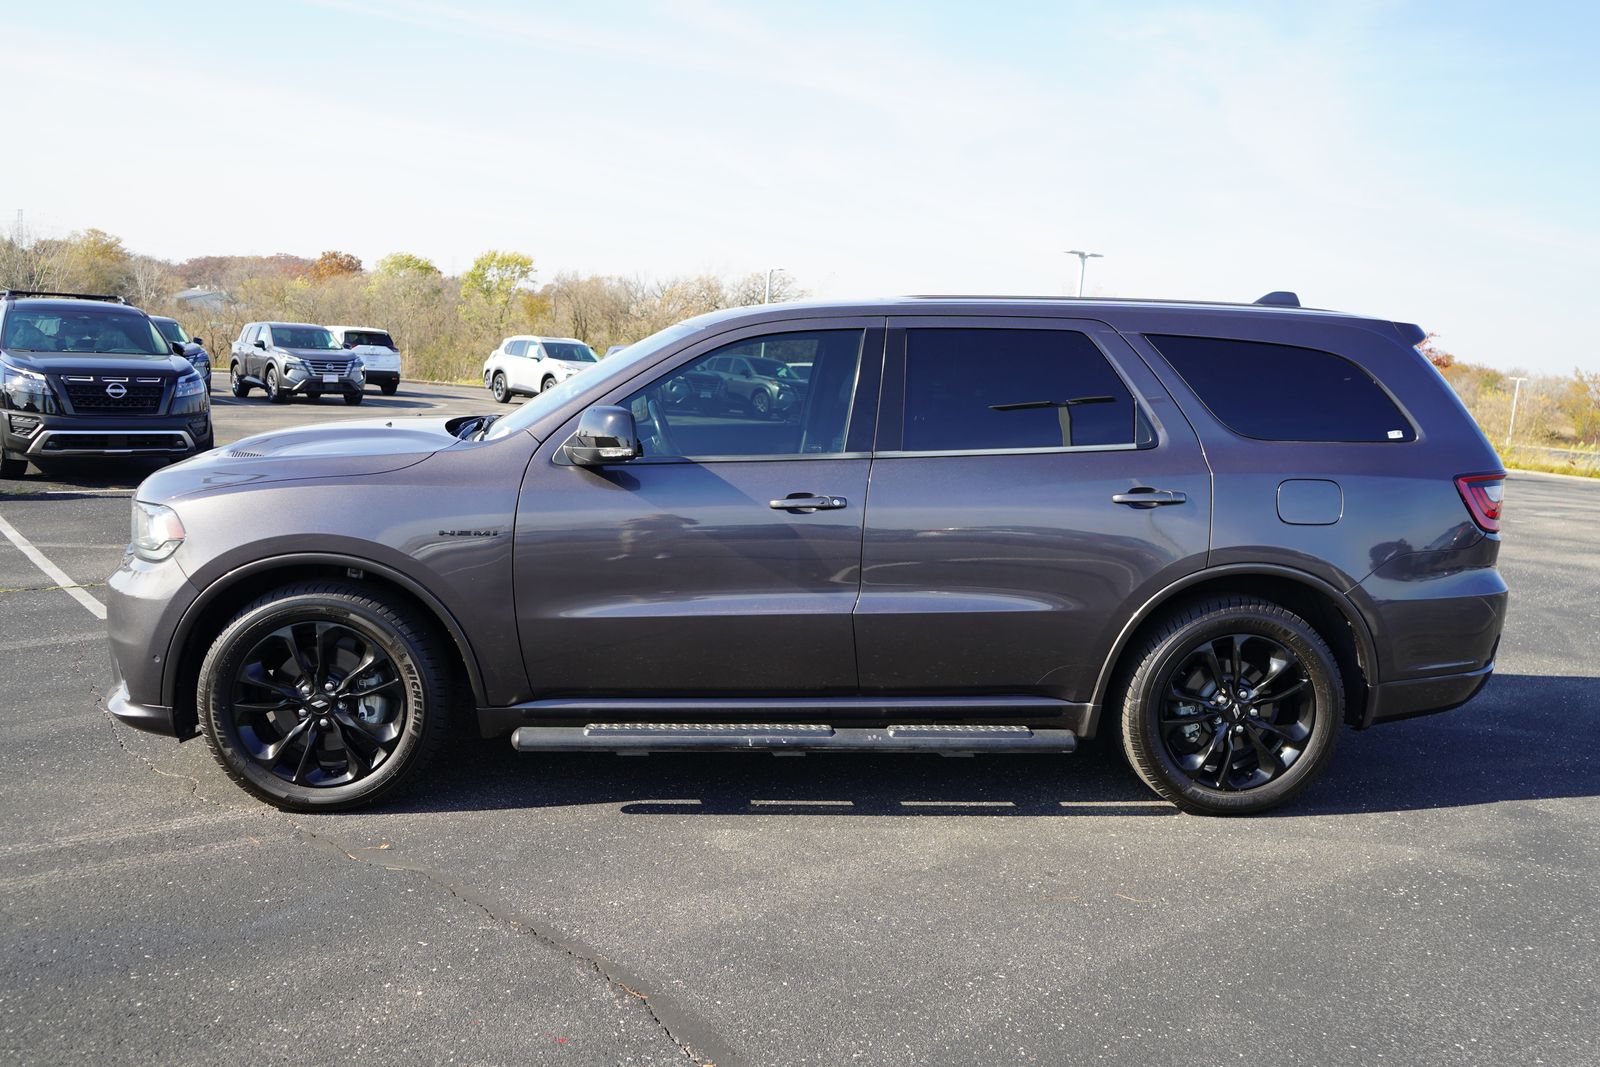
116, 390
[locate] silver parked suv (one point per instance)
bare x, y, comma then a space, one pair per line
1220, 534
289, 359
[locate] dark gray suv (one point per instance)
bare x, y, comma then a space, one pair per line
1220, 533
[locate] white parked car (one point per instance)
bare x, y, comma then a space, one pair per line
377, 351
529, 365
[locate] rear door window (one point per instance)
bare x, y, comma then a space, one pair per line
1011, 390
1274, 392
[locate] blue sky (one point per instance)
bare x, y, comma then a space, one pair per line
1436, 163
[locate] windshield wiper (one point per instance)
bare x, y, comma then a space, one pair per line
1029, 405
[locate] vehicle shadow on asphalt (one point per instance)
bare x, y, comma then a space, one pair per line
1514, 742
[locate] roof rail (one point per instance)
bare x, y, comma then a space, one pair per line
14, 294
1280, 298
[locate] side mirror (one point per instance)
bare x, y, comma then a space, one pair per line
261, 344
177, 347
198, 340
604, 435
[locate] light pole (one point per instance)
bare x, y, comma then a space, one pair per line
766, 294
1083, 264
1516, 391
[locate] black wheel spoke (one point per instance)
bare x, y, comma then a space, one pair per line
1285, 694
274, 751
1238, 664
1213, 665
327, 651
359, 763
256, 674
305, 756
376, 688
1266, 757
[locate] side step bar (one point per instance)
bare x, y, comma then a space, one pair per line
660, 737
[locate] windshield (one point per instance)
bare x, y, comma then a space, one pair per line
171, 330
618, 367
378, 338
88, 329
312, 337
570, 352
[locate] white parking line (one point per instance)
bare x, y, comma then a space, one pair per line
54, 573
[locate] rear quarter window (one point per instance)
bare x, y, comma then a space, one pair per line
1274, 392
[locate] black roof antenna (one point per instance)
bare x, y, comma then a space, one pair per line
1282, 298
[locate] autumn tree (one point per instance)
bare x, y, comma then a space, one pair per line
334, 265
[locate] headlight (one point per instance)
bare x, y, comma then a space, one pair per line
190, 395
295, 366
157, 531
25, 390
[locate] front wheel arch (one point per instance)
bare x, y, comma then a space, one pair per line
226, 596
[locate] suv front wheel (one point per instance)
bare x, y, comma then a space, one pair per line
321, 697
1234, 706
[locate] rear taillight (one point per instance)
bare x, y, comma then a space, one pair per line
1483, 494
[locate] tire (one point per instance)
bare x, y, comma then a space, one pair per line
407, 695
352, 399
390, 388
275, 392
760, 403
1173, 743
12, 467
547, 385
501, 391
240, 387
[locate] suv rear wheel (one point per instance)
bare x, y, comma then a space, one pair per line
1234, 706
236, 381
320, 697
501, 391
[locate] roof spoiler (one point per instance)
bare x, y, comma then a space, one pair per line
1280, 298
14, 294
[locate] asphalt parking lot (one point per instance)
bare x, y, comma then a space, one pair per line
1430, 901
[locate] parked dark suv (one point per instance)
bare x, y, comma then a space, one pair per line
1217, 532
89, 376
290, 359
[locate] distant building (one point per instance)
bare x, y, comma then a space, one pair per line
202, 299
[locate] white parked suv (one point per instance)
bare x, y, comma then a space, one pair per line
529, 365
379, 354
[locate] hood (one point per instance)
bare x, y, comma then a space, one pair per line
316, 353
346, 449
93, 363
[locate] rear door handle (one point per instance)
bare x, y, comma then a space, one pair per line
1145, 497
800, 502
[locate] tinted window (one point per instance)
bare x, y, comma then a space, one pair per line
516, 348
571, 353
1011, 389
1285, 393
81, 329
699, 411
316, 338
171, 330
376, 338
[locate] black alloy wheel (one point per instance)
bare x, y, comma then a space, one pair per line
1233, 706
321, 697
1239, 711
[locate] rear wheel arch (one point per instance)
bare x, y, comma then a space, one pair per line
1332, 613
225, 597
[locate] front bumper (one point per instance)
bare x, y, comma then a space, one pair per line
315, 386
147, 717
52, 436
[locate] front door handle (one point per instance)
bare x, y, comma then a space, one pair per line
802, 502
1142, 496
